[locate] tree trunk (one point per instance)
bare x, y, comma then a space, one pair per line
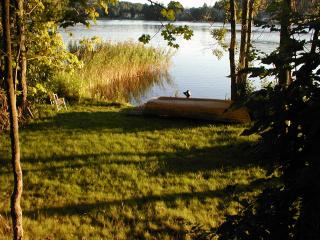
284, 68
22, 73
232, 51
16, 211
250, 17
241, 77
306, 70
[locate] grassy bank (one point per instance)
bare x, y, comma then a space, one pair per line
95, 173
110, 71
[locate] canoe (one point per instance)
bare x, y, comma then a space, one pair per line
195, 108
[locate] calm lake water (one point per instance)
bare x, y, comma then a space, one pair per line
194, 65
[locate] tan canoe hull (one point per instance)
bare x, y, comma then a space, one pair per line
196, 108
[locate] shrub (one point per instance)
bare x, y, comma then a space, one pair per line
67, 85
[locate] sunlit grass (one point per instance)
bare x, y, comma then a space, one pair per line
96, 173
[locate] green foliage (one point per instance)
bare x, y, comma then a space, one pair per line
168, 14
49, 56
68, 86
38, 93
145, 38
170, 31
176, 7
219, 35
79, 11
173, 9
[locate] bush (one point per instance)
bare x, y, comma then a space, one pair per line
67, 85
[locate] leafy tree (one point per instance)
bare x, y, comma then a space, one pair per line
286, 118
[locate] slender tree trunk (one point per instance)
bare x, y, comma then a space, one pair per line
22, 73
284, 68
232, 51
306, 70
1, 62
241, 77
16, 211
249, 32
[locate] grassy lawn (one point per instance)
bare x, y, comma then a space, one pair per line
94, 173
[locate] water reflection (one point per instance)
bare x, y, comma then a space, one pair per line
162, 80
132, 89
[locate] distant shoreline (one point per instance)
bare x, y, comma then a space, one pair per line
148, 20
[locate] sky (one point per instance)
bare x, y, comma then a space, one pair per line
185, 3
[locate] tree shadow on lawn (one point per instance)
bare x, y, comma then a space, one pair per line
91, 121
140, 204
181, 161
116, 122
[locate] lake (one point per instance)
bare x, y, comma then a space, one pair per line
194, 65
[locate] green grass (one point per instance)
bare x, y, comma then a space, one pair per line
95, 173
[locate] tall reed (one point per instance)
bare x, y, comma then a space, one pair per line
122, 71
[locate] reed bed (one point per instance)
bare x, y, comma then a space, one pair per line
122, 71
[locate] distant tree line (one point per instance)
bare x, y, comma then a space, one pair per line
128, 10
216, 13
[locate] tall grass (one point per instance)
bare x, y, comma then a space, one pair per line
121, 71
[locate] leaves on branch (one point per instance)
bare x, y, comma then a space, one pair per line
169, 31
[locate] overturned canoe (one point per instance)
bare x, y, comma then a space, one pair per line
196, 108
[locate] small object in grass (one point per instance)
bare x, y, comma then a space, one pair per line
58, 102
187, 93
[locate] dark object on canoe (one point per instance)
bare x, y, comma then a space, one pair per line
195, 108
187, 93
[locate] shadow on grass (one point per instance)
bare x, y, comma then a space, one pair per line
181, 161
234, 155
90, 121
139, 204
84, 208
